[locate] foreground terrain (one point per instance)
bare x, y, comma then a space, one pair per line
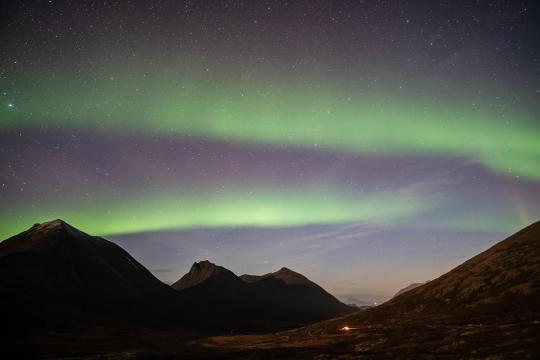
488, 307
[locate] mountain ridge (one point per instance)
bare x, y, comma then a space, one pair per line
278, 300
284, 274
61, 267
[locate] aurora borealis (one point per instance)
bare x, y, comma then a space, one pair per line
344, 139
177, 105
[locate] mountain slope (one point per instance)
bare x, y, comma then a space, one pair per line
407, 288
488, 307
505, 275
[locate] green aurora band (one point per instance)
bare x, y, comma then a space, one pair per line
189, 104
189, 209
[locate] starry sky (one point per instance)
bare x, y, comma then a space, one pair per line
366, 144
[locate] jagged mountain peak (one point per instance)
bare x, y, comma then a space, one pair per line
200, 272
204, 264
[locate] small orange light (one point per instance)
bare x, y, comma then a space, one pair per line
345, 328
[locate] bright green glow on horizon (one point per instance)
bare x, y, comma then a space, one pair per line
187, 105
176, 210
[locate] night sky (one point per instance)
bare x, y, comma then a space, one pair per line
366, 144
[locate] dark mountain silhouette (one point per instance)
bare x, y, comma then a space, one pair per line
488, 307
60, 260
288, 292
60, 286
274, 301
407, 288
56, 266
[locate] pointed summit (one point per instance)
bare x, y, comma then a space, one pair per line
58, 225
51, 225
55, 222
46, 236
